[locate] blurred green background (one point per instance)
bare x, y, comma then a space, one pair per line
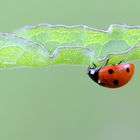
61, 102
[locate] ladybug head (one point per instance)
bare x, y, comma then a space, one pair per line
93, 73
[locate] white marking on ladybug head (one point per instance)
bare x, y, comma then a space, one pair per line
92, 71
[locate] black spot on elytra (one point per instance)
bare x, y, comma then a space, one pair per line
116, 82
127, 70
110, 71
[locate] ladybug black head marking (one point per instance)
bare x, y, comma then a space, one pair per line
93, 73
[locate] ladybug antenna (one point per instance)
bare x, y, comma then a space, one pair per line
94, 65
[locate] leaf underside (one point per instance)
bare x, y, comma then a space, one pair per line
45, 44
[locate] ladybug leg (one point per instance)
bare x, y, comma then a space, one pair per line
122, 61
106, 62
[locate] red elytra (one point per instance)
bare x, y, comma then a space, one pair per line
112, 76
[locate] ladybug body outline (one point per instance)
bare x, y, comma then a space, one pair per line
112, 76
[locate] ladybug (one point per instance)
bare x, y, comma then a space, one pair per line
112, 76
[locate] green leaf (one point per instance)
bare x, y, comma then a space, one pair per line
17, 51
44, 45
